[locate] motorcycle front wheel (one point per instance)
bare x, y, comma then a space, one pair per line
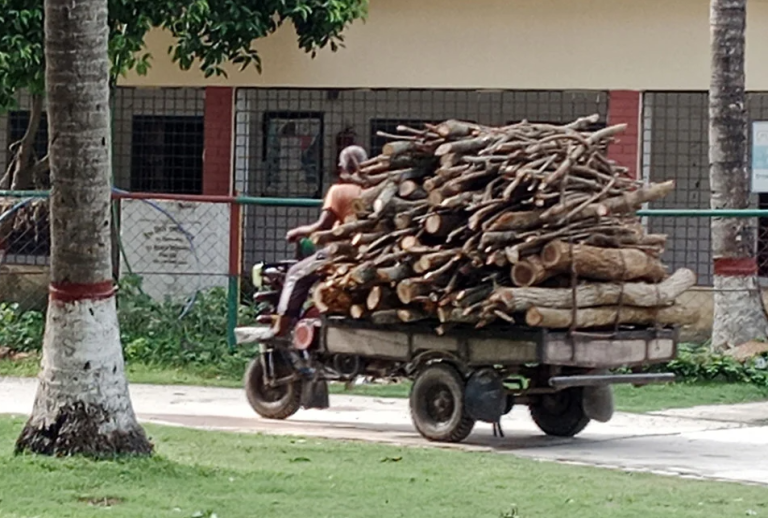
278, 402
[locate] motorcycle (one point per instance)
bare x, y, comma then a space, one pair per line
291, 371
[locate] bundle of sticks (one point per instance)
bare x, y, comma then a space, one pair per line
527, 223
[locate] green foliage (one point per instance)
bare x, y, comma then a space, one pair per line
696, 363
21, 331
152, 332
220, 31
213, 32
156, 333
21, 49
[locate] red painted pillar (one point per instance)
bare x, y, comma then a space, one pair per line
217, 158
624, 107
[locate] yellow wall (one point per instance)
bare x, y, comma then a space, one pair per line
519, 44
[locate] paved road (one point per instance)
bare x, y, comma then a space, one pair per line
724, 443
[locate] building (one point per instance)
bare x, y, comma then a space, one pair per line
493, 61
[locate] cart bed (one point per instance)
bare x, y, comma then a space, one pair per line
503, 345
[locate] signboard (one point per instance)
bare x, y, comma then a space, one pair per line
759, 157
175, 257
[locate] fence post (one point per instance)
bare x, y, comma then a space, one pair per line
233, 291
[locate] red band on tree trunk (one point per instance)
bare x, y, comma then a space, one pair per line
72, 292
729, 266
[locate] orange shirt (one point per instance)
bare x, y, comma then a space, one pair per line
339, 200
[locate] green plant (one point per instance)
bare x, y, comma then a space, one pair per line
695, 362
153, 332
21, 331
162, 333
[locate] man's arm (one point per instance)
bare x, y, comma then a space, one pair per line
324, 222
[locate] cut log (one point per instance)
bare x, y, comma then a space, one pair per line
380, 297
409, 289
349, 229
384, 198
531, 271
410, 190
394, 273
434, 260
393, 149
604, 264
409, 243
440, 225
511, 221
452, 129
608, 316
367, 239
463, 146
357, 311
364, 274
597, 294
330, 299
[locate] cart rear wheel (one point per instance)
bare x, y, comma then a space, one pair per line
437, 405
279, 402
560, 414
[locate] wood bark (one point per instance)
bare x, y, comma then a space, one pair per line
394, 273
605, 264
552, 318
597, 294
739, 315
82, 405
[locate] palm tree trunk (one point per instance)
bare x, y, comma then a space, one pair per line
739, 312
82, 404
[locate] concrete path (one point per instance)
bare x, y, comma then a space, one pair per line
723, 442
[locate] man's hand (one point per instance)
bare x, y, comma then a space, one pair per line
294, 235
326, 221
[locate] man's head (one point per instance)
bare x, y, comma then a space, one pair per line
350, 159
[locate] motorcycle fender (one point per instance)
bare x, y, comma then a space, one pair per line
314, 394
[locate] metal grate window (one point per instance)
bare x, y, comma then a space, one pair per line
167, 154
677, 148
158, 139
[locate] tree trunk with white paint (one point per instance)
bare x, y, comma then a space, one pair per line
739, 313
82, 404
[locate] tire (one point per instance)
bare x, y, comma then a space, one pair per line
437, 405
560, 414
272, 403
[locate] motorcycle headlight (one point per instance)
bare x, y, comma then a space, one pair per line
256, 277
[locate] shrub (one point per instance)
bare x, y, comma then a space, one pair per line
697, 363
21, 331
166, 333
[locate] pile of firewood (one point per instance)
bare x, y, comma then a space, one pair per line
528, 223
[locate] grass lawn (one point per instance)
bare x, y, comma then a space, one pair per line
205, 474
628, 398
